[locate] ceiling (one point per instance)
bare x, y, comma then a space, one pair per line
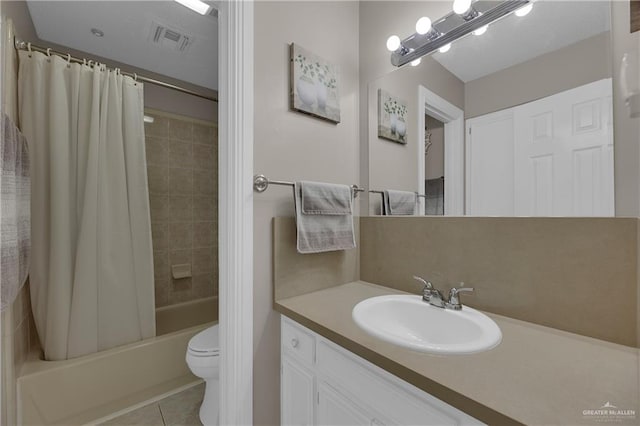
551, 25
129, 30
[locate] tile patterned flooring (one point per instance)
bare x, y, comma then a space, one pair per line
180, 409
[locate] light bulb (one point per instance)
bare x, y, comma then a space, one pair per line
393, 43
423, 25
523, 11
416, 62
445, 48
461, 6
481, 30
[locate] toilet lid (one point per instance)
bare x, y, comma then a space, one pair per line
206, 341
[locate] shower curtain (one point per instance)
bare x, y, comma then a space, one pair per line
91, 271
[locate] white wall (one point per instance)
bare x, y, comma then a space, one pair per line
293, 146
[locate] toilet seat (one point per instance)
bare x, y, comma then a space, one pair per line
205, 343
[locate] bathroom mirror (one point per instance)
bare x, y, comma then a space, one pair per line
516, 121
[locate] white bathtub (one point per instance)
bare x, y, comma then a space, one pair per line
83, 390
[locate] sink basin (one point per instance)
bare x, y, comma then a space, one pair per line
408, 321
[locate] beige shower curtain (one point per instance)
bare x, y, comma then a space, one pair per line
92, 266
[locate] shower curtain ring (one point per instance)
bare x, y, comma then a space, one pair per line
84, 61
68, 60
48, 51
29, 48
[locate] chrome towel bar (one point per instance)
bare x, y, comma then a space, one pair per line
261, 183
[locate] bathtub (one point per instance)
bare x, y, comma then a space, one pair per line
94, 387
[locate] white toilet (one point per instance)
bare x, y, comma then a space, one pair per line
203, 359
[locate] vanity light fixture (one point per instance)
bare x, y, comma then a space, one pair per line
393, 43
524, 11
467, 17
481, 30
196, 5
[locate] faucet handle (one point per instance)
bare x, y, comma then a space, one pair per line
427, 284
454, 299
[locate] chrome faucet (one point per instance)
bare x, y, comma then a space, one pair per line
434, 297
454, 299
430, 294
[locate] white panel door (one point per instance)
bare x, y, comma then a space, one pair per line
564, 154
337, 410
489, 165
297, 390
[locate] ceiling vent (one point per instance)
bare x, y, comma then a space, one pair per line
170, 38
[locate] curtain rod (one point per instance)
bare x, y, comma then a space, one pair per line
23, 45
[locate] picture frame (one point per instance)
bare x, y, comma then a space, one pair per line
392, 117
314, 85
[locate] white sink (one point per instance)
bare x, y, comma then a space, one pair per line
408, 321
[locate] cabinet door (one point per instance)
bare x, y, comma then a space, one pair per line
296, 394
337, 410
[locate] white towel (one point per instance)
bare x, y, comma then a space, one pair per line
324, 217
399, 203
15, 229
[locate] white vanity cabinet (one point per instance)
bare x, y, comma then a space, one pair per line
324, 384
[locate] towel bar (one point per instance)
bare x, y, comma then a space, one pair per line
261, 183
382, 192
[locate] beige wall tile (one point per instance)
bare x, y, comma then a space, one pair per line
178, 257
180, 181
162, 291
180, 208
203, 134
203, 260
204, 156
159, 205
177, 228
180, 291
205, 182
573, 274
180, 235
161, 269
159, 127
158, 179
160, 235
203, 285
180, 154
180, 129
157, 151
203, 208
204, 234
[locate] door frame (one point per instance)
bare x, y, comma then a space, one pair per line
453, 119
235, 209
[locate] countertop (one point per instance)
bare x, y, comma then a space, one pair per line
537, 375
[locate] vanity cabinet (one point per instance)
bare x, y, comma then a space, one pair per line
324, 384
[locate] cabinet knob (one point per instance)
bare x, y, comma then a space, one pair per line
294, 342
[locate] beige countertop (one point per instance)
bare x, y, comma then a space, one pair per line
537, 375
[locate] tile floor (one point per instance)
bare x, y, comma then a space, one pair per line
180, 409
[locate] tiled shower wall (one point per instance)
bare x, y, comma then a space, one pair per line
182, 167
